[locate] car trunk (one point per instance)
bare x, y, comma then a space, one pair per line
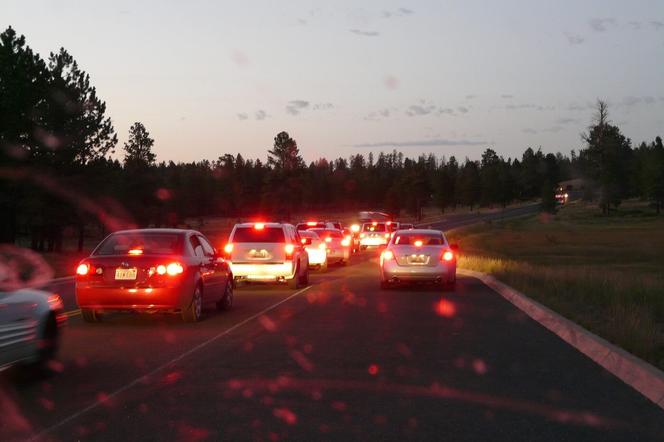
417, 256
124, 271
256, 252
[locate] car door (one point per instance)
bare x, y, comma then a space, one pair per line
17, 327
206, 268
218, 267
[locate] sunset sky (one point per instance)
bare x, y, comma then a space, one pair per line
448, 77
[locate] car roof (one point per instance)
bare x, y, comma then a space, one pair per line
420, 231
258, 222
157, 230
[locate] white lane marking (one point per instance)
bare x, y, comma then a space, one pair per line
146, 376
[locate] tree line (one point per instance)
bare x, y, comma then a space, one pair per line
58, 177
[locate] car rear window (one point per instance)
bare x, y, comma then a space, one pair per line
148, 243
251, 234
330, 233
308, 234
380, 227
428, 239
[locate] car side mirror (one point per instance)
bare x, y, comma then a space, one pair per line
306, 241
454, 247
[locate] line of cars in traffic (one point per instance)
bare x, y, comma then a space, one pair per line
180, 271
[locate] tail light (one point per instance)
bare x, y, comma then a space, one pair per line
259, 226
387, 255
303, 241
328, 239
321, 246
345, 242
174, 268
361, 235
83, 269
135, 252
289, 249
418, 243
387, 235
448, 256
355, 228
228, 249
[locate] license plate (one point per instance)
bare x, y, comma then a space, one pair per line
418, 259
125, 274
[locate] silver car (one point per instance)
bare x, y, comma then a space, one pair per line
418, 255
30, 322
338, 246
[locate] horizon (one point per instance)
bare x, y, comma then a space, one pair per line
521, 74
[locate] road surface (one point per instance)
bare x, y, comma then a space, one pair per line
339, 360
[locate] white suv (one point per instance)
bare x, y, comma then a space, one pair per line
268, 252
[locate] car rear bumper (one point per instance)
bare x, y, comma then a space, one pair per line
126, 298
338, 254
373, 242
442, 272
263, 272
316, 256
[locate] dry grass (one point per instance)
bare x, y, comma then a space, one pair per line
606, 274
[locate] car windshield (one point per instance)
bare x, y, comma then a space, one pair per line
264, 235
142, 243
370, 227
427, 239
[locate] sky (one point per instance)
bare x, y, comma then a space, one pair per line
448, 77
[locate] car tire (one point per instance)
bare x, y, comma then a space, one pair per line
90, 315
363, 247
343, 262
323, 267
304, 281
294, 282
194, 311
385, 285
48, 343
226, 302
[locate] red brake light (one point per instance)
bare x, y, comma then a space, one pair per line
161, 269
345, 242
361, 235
228, 248
321, 246
355, 228
328, 239
135, 252
289, 249
82, 269
311, 223
259, 226
387, 235
418, 243
387, 255
303, 241
174, 268
448, 256
374, 223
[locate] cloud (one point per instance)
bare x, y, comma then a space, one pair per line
635, 25
422, 143
528, 130
378, 115
242, 116
463, 109
566, 120
418, 110
260, 115
323, 106
633, 101
470, 97
574, 39
580, 107
657, 25
295, 106
445, 111
406, 11
536, 107
553, 129
365, 33
601, 24
240, 58
507, 96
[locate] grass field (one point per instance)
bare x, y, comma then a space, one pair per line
605, 273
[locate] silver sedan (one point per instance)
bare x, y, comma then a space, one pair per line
418, 255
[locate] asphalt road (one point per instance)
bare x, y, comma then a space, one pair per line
339, 360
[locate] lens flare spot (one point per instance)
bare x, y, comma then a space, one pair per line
479, 367
285, 415
445, 308
373, 369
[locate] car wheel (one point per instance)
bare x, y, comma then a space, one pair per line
323, 267
294, 282
363, 247
384, 285
48, 343
343, 262
304, 281
194, 312
90, 315
226, 302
